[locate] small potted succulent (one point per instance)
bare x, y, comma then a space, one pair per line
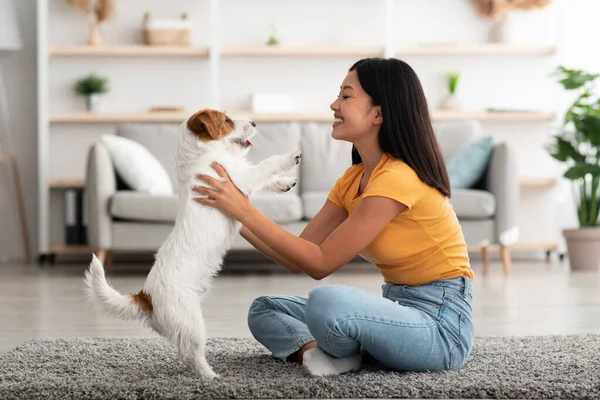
92, 87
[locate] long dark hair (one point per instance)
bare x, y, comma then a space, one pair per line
406, 132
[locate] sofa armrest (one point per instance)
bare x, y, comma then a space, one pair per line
503, 182
100, 185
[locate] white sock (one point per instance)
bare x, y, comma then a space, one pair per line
319, 363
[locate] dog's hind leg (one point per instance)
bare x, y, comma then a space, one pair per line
192, 347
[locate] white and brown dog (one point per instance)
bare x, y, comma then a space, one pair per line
170, 302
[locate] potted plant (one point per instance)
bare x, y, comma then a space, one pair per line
451, 101
578, 145
91, 86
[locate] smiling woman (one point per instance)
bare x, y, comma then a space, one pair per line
396, 194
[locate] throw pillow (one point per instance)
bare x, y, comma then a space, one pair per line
467, 165
138, 168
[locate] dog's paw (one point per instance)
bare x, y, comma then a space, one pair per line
283, 184
209, 376
291, 159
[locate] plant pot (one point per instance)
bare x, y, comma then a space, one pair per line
92, 102
451, 102
583, 247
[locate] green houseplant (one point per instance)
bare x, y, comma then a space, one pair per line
91, 86
578, 146
451, 101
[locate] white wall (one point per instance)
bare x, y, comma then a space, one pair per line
138, 83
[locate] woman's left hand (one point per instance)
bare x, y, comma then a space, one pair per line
225, 196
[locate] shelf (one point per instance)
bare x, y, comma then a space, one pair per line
475, 50
140, 50
70, 249
493, 116
66, 184
301, 51
520, 246
128, 51
85, 117
544, 182
436, 115
525, 182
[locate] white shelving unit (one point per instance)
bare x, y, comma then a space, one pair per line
212, 55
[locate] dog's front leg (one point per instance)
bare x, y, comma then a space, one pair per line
265, 175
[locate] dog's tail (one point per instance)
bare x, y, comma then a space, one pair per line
128, 307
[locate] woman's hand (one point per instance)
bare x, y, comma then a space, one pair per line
225, 196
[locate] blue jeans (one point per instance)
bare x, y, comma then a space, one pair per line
409, 328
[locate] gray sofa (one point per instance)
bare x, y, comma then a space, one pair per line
119, 219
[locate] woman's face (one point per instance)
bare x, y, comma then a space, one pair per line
355, 116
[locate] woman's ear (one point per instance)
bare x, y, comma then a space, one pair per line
378, 120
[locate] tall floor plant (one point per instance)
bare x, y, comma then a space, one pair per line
578, 144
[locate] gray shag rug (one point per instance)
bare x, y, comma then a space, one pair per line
566, 367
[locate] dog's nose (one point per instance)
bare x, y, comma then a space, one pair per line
253, 123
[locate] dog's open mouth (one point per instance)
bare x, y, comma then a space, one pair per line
243, 142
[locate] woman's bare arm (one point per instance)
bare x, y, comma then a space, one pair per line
318, 229
370, 218
267, 251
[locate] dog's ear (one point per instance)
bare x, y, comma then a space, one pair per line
208, 125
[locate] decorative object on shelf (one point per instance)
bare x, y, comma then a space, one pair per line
451, 102
272, 103
92, 86
166, 32
273, 39
167, 109
578, 145
497, 10
10, 40
99, 11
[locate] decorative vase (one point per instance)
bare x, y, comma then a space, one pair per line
92, 102
583, 248
498, 31
451, 102
95, 34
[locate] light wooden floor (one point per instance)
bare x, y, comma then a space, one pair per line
538, 299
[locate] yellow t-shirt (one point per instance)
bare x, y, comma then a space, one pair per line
424, 242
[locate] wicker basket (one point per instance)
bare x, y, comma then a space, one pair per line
165, 32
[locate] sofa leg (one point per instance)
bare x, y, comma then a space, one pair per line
485, 255
505, 254
101, 255
109, 260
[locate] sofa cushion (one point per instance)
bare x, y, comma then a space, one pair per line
324, 159
137, 166
160, 139
139, 206
275, 138
467, 165
281, 208
467, 203
454, 135
473, 204
312, 202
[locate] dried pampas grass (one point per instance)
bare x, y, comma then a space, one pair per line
102, 9
496, 8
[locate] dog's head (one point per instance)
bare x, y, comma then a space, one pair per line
212, 128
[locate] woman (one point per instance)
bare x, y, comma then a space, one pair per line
396, 195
